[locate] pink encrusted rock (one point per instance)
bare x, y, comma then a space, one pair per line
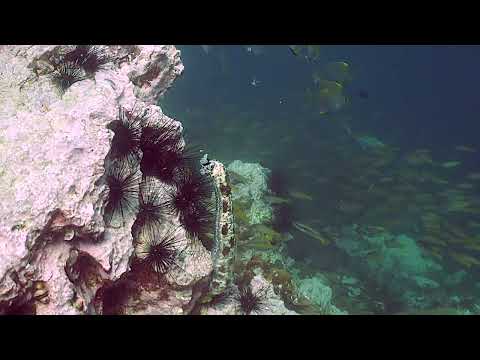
52, 152
153, 70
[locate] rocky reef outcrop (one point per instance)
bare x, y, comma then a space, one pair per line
252, 187
61, 251
54, 141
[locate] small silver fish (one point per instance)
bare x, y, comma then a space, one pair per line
255, 82
307, 230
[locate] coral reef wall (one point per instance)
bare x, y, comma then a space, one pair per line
53, 145
77, 128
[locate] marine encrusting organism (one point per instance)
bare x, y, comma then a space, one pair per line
251, 301
121, 191
159, 251
126, 141
66, 74
223, 244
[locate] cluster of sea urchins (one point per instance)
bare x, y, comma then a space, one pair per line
78, 64
153, 175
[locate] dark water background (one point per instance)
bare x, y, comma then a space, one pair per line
418, 97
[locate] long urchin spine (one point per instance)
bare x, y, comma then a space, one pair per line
164, 155
190, 188
158, 251
126, 141
251, 301
91, 58
121, 192
66, 74
151, 213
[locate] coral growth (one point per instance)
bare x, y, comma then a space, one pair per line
252, 190
395, 263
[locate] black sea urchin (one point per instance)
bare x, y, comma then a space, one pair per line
191, 199
159, 251
190, 187
67, 74
126, 141
122, 191
162, 151
251, 301
89, 57
150, 214
198, 220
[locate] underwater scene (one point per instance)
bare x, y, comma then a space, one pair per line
354, 169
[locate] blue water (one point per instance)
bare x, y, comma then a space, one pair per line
427, 92
414, 97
